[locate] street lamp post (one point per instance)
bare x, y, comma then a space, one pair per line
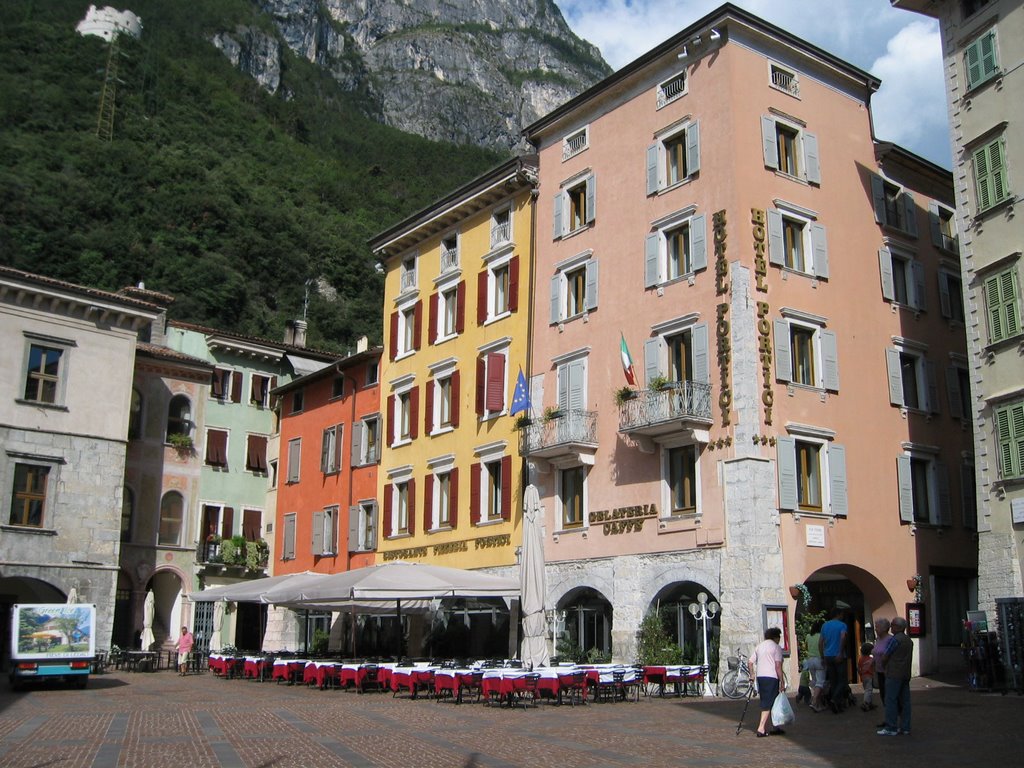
704, 611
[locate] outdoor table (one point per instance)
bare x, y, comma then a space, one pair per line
320, 673
678, 676
141, 661
256, 668
453, 681
412, 678
503, 684
288, 669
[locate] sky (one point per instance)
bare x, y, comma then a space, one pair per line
902, 49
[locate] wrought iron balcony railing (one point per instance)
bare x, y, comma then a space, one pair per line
681, 401
553, 436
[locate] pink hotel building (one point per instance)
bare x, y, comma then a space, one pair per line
787, 287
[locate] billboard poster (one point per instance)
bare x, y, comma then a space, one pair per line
54, 630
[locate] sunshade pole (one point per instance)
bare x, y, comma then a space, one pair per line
355, 653
401, 632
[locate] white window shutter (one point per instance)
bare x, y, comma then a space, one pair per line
652, 247
953, 393
945, 306
701, 367
933, 386
591, 198
878, 198
652, 353
652, 169
920, 298
892, 365
693, 149
819, 247
563, 387
906, 487
318, 533
357, 444
556, 298
837, 480
559, 208
935, 224
577, 385
698, 243
353, 528
885, 270
945, 510
288, 550
768, 145
811, 158
830, 360
785, 455
776, 245
783, 355
591, 280
909, 213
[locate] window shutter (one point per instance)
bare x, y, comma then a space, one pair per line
432, 320
428, 502
414, 413
591, 198
227, 522
481, 297
339, 436
785, 453
591, 278
878, 198
920, 298
698, 243
417, 325
909, 213
236, 386
699, 340
318, 533
393, 340
768, 145
652, 354
456, 404
819, 246
933, 387
357, 444
559, 207
252, 524
693, 148
391, 420
217, 447
837, 480
412, 506
776, 245
474, 494
389, 502
453, 498
481, 385
563, 387
288, 550
953, 394
513, 284
811, 158
830, 360
495, 382
935, 224
783, 355
326, 453
506, 487
906, 487
885, 270
460, 307
556, 298
652, 169
294, 457
577, 384
892, 365
945, 306
428, 411
989, 65
353, 528
651, 248
972, 63
945, 510
217, 384
968, 501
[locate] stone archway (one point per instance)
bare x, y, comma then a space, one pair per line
584, 625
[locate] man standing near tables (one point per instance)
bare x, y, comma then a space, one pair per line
184, 646
832, 646
898, 659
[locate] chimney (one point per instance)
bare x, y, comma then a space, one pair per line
363, 344
295, 333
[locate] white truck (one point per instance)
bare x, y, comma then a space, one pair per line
52, 641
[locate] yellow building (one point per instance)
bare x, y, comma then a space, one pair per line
456, 331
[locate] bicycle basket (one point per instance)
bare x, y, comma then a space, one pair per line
733, 662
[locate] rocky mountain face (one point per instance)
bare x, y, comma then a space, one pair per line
464, 71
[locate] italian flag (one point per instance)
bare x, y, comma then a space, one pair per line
627, 362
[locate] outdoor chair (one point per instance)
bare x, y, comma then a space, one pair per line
573, 687
371, 678
612, 690
474, 685
528, 694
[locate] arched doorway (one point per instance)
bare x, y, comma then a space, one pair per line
584, 626
673, 606
168, 619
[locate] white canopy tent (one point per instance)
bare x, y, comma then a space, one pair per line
253, 591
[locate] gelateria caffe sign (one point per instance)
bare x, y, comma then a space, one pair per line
623, 519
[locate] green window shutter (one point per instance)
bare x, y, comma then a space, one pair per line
1010, 433
981, 60
1001, 304
972, 63
1008, 296
990, 175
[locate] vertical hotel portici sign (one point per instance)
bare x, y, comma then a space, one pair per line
722, 330
764, 325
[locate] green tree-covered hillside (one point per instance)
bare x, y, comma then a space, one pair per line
210, 190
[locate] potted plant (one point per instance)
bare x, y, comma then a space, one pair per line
181, 442
522, 421
256, 555
623, 394
233, 550
550, 413
657, 383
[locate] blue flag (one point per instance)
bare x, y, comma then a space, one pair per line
521, 396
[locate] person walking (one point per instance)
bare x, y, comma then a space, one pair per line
832, 646
866, 669
882, 640
765, 664
184, 647
815, 666
898, 659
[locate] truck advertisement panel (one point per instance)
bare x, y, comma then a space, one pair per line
53, 631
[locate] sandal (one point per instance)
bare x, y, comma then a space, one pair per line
760, 734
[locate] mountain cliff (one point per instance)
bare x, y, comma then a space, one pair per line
463, 71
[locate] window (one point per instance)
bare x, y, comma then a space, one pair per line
325, 532
366, 441
797, 243
1002, 305
172, 517
805, 352
256, 454
501, 227
673, 158
571, 492
29, 498
272, 469
968, 494
298, 401
784, 80
494, 482
923, 489
990, 181
490, 383
812, 473
362, 527
575, 143
942, 224
403, 500
958, 390
217, 448
677, 249
127, 513
575, 206
407, 277
135, 416
1009, 424
403, 410
789, 149
672, 89
970, 7
679, 353
218, 520
981, 60
681, 478
372, 373
441, 398
447, 313
491, 489
912, 380
226, 385
252, 524
259, 389
499, 286
951, 297
406, 327
902, 279
450, 253
894, 206
574, 288
497, 290
337, 387
288, 538
441, 498
294, 459
330, 449
43, 374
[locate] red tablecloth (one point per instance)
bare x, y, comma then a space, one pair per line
288, 670
677, 676
256, 669
411, 679
319, 673
453, 681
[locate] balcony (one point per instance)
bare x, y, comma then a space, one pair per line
676, 407
501, 231
449, 259
408, 281
217, 553
569, 438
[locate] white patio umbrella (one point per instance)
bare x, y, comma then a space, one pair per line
72, 596
218, 622
148, 612
531, 582
254, 590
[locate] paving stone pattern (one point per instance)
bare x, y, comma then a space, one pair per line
161, 719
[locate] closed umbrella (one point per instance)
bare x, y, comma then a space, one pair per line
148, 611
218, 622
531, 582
72, 596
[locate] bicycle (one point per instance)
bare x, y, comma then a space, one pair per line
736, 683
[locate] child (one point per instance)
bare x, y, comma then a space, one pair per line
803, 693
866, 667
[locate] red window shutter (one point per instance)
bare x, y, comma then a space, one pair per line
217, 448
387, 529
456, 404
390, 416
412, 506
417, 331
506, 488
428, 502
227, 523
428, 411
495, 399
251, 524
474, 494
460, 308
453, 497
256, 454
432, 320
414, 413
481, 385
393, 341
236, 387
481, 298
513, 284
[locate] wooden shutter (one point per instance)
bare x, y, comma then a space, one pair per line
652, 169
288, 550
693, 148
878, 198
353, 528
906, 489
390, 415
414, 413
830, 360
216, 447
909, 213
783, 353
294, 457
227, 523
785, 454
776, 244
591, 289
326, 450
701, 361
895, 374
837, 480
811, 158
819, 247
558, 212
495, 397
393, 340
453, 498
357, 444
481, 384
652, 248
506, 487
252, 524
428, 410
945, 305
769, 147
432, 319
698, 243
577, 384
474, 494
935, 225
944, 513
920, 299
591, 192
563, 387
460, 307
217, 383
953, 393
389, 501
556, 298
885, 270
933, 386
456, 404
317, 544
481, 297
411, 488
513, 284
236, 386
417, 325
652, 355
256, 453
428, 502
